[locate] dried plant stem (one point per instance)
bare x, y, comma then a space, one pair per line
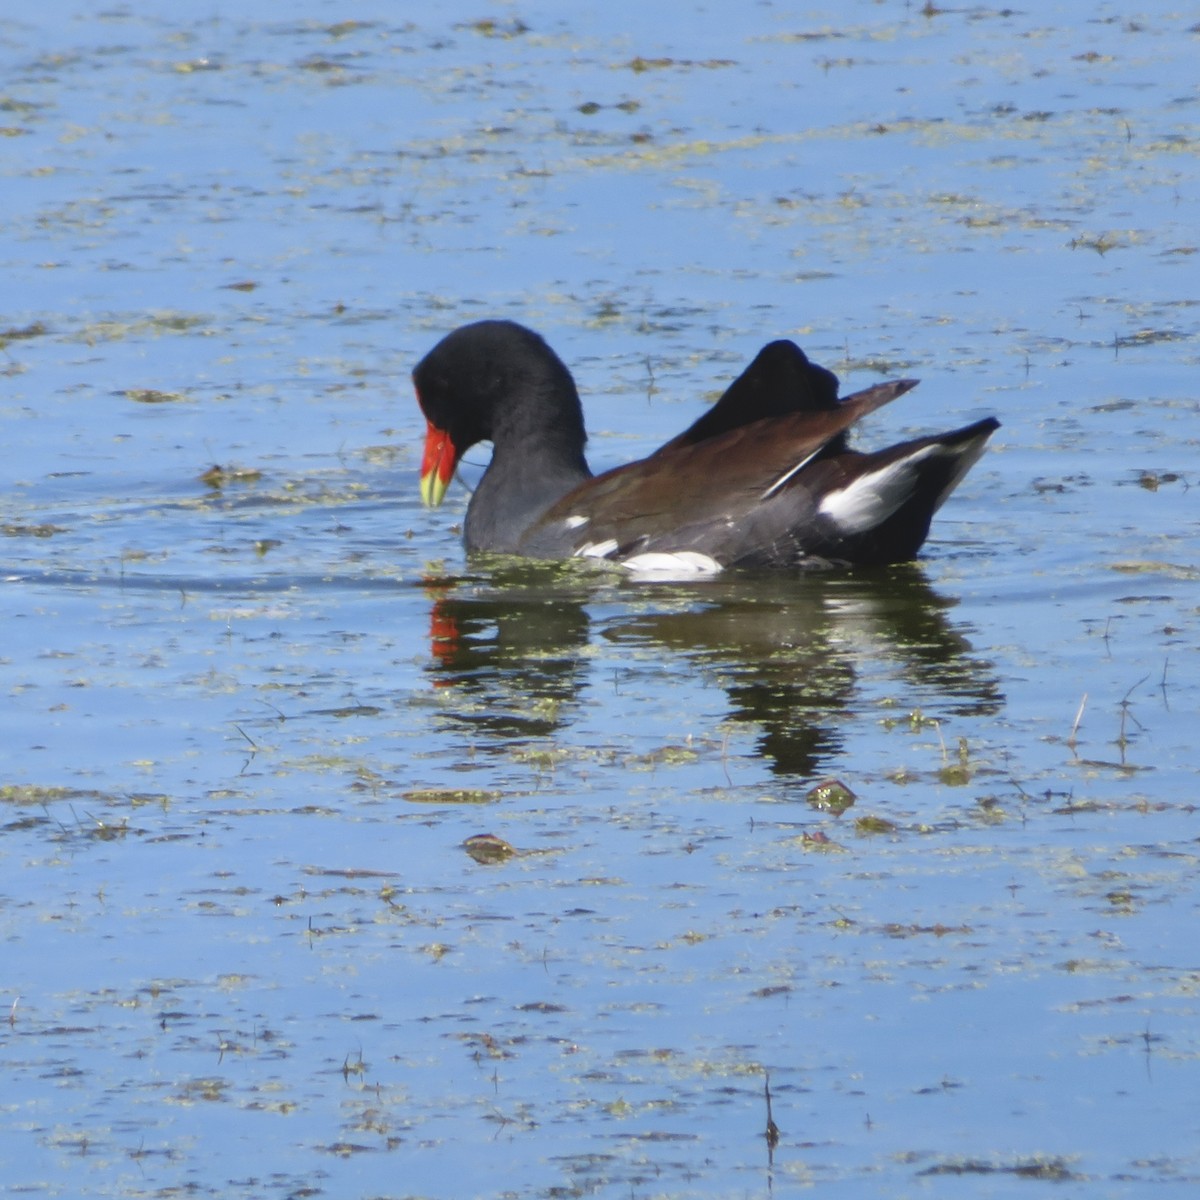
1078, 719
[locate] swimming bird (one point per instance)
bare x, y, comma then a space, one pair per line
765, 478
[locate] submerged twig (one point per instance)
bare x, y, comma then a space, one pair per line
1122, 740
1132, 689
772, 1130
275, 707
1147, 1049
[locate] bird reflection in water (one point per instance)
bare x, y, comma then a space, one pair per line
514, 646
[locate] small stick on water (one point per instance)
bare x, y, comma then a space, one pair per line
1078, 718
772, 1132
1132, 689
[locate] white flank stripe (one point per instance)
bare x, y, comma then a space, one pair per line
872, 498
597, 549
681, 565
789, 473
576, 522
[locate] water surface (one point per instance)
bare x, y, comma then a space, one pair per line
251, 717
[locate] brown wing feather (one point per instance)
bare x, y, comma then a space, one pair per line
715, 480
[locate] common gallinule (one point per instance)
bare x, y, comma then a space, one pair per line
765, 478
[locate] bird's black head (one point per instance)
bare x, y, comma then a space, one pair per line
481, 378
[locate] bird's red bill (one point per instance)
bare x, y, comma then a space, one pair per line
437, 466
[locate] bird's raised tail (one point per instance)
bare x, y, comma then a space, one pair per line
876, 508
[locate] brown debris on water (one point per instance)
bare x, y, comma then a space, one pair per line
217, 476
831, 795
487, 848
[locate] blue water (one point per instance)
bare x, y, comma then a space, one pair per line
248, 727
